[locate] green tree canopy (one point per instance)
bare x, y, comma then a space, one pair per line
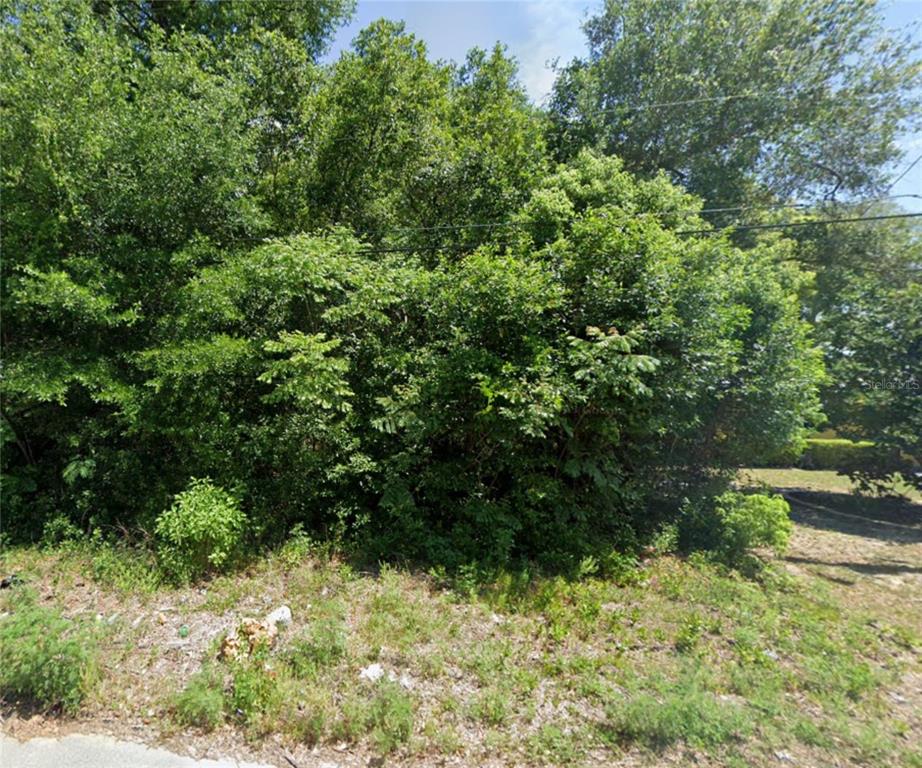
796, 97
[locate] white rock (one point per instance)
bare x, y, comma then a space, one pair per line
281, 615
372, 672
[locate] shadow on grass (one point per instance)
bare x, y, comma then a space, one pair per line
887, 519
870, 569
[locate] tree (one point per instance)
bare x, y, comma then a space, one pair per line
865, 306
224, 261
309, 22
111, 167
402, 149
736, 100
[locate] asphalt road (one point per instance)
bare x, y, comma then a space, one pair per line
98, 752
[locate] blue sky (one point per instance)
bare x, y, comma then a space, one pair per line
539, 31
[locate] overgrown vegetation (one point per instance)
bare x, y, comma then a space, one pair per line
46, 660
670, 658
388, 301
201, 532
350, 323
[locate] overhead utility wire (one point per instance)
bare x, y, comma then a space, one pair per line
681, 212
712, 231
811, 223
902, 176
715, 231
893, 183
705, 100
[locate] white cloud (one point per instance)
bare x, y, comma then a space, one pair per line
554, 33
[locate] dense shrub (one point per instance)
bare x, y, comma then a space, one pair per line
544, 400
836, 453
201, 532
543, 390
45, 659
822, 453
733, 524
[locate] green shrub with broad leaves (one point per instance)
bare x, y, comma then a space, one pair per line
733, 524
202, 532
199, 282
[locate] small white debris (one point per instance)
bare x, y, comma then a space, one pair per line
406, 681
281, 615
784, 757
771, 655
372, 672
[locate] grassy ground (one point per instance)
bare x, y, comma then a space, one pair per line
815, 662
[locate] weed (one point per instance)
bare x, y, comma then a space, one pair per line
253, 692
321, 645
308, 713
395, 619
491, 707
689, 632
130, 570
681, 711
201, 702
201, 532
387, 716
46, 659
553, 745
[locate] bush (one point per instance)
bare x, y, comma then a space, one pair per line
523, 403
254, 690
201, 532
732, 524
201, 702
836, 454
45, 659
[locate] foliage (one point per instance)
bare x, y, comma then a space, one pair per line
229, 261
253, 691
836, 453
45, 659
321, 645
865, 304
733, 524
684, 711
735, 99
201, 702
201, 532
386, 716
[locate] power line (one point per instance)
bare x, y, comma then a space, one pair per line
810, 223
899, 178
896, 181
641, 214
709, 231
713, 231
704, 100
